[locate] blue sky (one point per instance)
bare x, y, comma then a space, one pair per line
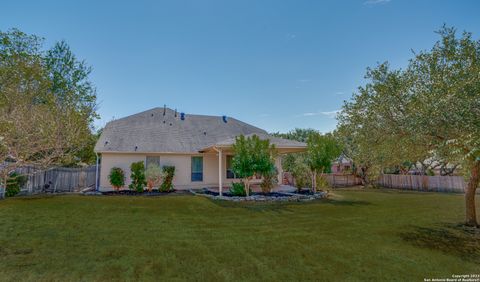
275, 64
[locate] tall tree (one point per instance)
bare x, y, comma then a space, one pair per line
429, 110
36, 126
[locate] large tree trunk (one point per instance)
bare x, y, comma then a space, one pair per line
470, 213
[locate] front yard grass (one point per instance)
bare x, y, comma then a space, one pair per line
367, 235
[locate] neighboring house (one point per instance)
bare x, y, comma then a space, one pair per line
342, 165
199, 146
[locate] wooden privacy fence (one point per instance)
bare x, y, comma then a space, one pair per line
342, 180
423, 182
59, 179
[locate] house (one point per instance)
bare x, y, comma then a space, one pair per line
342, 165
199, 146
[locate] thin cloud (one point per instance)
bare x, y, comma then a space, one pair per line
290, 36
339, 93
330, 114
375, 2
303, 80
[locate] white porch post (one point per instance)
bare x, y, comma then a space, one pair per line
220, 184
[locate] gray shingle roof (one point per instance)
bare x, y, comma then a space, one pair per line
151, 131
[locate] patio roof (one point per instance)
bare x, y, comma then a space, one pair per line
283, 145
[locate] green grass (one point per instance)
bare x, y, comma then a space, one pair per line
355, 235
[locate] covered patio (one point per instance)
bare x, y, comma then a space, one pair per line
282, 146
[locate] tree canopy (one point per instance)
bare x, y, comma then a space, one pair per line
47, 103
431, 109
252, 155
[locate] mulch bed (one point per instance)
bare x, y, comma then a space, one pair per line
228, 194
146, 193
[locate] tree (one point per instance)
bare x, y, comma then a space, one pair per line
252, 155
297, 165
321, 151
137, 176
153, 175
36, 126
429, 110
298, 134
117, 178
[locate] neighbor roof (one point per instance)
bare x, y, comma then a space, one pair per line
152, 131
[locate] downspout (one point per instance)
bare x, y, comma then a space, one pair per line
96, 172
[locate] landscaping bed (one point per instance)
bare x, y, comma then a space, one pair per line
259, 196
135, 193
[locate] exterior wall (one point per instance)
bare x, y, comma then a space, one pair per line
182, 163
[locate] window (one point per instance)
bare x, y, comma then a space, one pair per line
197, 169
152, 160
230, 173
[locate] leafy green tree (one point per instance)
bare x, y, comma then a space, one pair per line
252, 155
117, 178
298, 134
297, 165
428, 110
37, 126
321, 151
137, 176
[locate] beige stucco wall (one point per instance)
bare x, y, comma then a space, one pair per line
182, 163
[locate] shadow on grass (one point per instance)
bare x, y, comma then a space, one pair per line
284, 206
453, 239
338, 202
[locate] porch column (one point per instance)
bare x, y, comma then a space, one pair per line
220, 184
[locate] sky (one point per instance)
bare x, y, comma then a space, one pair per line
275, 64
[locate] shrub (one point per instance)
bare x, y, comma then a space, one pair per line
14, 182
269, 180
168, 174
322, 182
137, 176
238, 189
117, 177
153, 175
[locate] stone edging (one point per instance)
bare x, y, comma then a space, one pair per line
292, 197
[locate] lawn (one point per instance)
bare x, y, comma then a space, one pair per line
355, 235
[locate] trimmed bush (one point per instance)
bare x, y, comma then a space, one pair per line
153, 176
269, 180
168, 174
14, 182
117, 178
138, 176
238, 189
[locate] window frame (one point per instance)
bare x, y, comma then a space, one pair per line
198, 174
228, 170
151, 156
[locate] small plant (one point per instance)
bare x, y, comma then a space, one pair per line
269, 180
238, 189
168, 174
153, 176
117, 178
14, 182
137, 176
